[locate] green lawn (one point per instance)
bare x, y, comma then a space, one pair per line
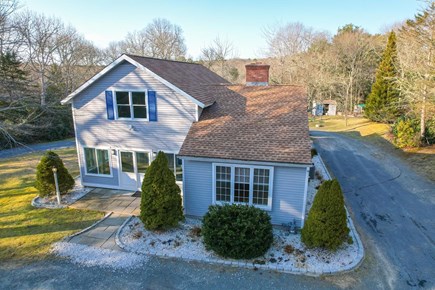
27, 232
421, 160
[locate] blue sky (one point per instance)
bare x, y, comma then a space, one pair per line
241, 22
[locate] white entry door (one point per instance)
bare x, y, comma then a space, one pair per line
132, 168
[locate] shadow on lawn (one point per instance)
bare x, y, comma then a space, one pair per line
27, 230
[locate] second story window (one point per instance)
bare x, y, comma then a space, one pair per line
131, 105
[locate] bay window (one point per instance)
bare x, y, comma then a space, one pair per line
243, 184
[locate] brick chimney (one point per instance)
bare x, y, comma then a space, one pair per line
257, 74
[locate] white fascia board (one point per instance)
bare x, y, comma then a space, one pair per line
93, 79
138, 65
236, 161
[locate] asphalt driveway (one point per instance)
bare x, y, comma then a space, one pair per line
393, 208
8, 153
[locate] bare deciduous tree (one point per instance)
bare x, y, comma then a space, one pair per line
165, 40
159, 39
216, 55
417, 56
39, 35
286, 41
7, 38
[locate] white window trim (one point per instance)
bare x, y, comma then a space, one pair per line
175, 163
136, 172
130, 98
96, 159
267, 207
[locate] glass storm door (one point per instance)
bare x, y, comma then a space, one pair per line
128, 176
132, 168
143, 160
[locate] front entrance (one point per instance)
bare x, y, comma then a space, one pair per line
132, 166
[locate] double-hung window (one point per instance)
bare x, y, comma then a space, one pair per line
243, 184
131, 105
97, 161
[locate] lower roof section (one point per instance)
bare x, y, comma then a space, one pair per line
253, 123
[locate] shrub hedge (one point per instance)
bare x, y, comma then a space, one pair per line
326, 225
237, 231
160, 206
45, 179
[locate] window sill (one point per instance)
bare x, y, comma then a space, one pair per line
134, 120
98, 175
263, 207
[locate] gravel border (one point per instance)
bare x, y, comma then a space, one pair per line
355, 236
78, 192
293, 270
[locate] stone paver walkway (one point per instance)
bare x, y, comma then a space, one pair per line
119, 202
109, 200
103, 234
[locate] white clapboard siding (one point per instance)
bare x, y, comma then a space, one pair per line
175, 115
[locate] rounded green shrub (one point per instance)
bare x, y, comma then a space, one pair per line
160, 206
326, 225
45, 179
237, 231
406, 133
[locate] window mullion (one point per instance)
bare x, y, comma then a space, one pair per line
251, 185
130, 99
232, 184
96, 160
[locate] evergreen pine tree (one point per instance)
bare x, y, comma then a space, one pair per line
326, 225
382, 104
160, 206
44, 175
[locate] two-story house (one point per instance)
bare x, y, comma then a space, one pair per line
225, 143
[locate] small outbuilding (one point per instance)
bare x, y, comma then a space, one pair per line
325, 108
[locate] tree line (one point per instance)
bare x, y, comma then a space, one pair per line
392, 74
42, 60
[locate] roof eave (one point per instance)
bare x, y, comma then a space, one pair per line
276, 163
125, 57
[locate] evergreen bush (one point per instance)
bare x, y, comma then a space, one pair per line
406, 133
326, 226
160, 206
430, 131
382, 104
45, 179
237, 231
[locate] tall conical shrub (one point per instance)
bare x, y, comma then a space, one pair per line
160, 206
382, 104
326, 225
44, 175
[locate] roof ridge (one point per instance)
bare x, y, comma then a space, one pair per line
160, 59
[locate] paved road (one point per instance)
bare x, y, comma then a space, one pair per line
393, 208
156, 274
7, 153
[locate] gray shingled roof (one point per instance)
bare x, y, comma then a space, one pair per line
267, 123
191, 78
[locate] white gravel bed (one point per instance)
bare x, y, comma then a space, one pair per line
181, 243
76, 193
90, 256
287, 253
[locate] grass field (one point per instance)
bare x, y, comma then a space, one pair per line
421, 159
27, 232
